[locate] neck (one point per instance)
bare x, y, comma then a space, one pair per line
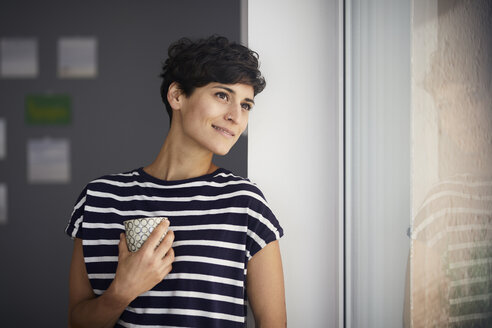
180, 159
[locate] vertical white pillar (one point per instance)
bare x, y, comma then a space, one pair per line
293, 146
377, 160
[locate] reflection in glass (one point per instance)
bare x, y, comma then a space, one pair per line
451, 256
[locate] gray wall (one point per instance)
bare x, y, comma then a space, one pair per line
118, 123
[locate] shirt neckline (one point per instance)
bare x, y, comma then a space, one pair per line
205, 177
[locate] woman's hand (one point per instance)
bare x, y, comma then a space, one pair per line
136, 273
140, 271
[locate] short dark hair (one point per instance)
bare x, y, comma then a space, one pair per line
193, 64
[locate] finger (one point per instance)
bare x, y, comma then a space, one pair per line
165, 245
167, 262
169, 258
122, 246
156, 235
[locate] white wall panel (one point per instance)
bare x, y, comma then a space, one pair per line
293, 146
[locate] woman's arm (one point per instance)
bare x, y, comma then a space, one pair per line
265, 287
136, 273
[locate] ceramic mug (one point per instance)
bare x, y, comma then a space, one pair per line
138, 230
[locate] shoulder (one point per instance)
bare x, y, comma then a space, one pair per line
236, 182
123, 177
451, 200
242, 191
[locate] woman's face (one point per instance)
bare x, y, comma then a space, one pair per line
215, 115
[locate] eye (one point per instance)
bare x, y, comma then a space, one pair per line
246, 106
222, 95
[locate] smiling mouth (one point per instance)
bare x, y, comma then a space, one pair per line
223, 131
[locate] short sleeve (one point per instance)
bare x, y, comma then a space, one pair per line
74, 227
263, 226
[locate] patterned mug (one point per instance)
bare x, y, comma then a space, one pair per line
138, 230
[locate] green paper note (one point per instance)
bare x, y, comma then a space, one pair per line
48, 109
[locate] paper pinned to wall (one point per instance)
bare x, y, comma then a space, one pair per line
3, 203
18, 58
3, 138
48, 160
48, 109
77, 57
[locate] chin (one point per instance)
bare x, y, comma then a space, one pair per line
220, 148
222, 152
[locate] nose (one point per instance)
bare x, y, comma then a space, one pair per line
234, 113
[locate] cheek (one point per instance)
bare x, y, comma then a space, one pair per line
244, 127
197, 114
245, 120
209, 112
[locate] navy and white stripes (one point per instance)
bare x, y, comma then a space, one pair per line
220, 221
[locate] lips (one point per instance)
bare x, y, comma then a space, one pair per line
224, 131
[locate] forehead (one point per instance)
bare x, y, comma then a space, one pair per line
240, 90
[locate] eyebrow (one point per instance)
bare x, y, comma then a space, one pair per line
234, 92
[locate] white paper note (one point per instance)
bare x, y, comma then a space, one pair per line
3, 138
77, 57
48, 160
18, 58
3, 203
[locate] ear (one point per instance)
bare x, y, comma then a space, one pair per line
175, 96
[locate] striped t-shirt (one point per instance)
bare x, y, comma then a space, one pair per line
452, 268
219, 220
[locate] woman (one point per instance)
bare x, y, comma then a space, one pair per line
222, 245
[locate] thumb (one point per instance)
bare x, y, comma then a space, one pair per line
122, 246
